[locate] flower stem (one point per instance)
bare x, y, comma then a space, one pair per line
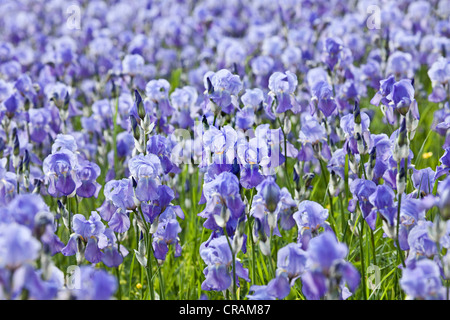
234, 264
363, 265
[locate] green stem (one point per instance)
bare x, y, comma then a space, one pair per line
363, 265
372, 239
234, 264
118, 283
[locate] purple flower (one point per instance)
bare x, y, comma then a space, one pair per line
422, 281
95, 284
120, 194
309, 218
362, 190
60, 172
282, 87
221, 143
184, 100
8, 185
331, 52
402, 98
386, 86
444, 197
222, 194
146, 170
88, 172
423, 180
91, 232
64, 141
382, 200
133, 64
162, 147
439, 74
328, 271
221, 87
291, 264
217, 255
17, 246
322, 96
31, 280
157, 92
166, 234
39, 124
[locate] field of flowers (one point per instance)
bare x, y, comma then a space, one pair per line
225, 150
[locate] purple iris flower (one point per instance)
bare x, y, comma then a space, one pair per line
382, 200
262, 67
39, 124
184, 101
17, 246
386, 86
291, 264
157, 92
221, 87
59, 93
362, 189
251, 155
88, 172
286, 208
272, 138
420, 242
402, 98
125, 144
91, 233
60, 172
221, 143
422, 281
252, 98
111, 256
336, 163
245, 118
166, 234
96, 284
162, 147
383, 150
220, 194
439, 74
444, 197
31, 211
119, 198
272, 206
25, 86
400, 64
146, 170
444, 168
423, 180
11, 106
322, 97
217, 255
282, 87
64, 141
331, 52
310, 217
31, 280
133, 64
8, 185
312, 131
328, 271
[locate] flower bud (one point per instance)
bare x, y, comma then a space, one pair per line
401, 181
139, 105
271, 194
